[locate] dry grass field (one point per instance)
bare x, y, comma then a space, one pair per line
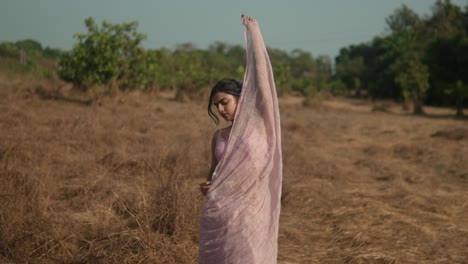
115, 180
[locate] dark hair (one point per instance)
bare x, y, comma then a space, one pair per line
229, 86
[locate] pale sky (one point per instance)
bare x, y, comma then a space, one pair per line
321, 27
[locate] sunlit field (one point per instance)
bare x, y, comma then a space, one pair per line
87, 179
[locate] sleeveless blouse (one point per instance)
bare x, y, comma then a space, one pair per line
220, 147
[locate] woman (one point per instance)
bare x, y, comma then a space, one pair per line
224, 96
239, 222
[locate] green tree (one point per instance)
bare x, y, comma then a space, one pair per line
458, 91
350, 68
405, 48
414, 81
410, 73
302, 71
447, 20
9, 50
322, 71
107, 54
51, 53
281, 65
447, 30
403, 19
448, 66
30, 46
302, 63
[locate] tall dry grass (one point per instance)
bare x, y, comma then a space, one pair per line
101, 217
96, 184
115, 180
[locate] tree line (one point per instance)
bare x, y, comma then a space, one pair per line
420, 60
114, 54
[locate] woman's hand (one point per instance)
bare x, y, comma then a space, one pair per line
249, 18
204, 187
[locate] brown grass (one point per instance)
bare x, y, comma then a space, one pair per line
116, 180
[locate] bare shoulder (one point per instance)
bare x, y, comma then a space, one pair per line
215, 135
225, 132
217, 131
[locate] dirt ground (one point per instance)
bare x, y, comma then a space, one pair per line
115, 179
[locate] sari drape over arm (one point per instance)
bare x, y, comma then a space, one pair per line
240, 218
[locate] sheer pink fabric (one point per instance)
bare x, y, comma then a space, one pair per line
240, 218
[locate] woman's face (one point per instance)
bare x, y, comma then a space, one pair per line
226, 105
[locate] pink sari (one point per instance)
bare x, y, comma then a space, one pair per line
240, 218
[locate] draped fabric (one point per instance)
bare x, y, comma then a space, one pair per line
240, 218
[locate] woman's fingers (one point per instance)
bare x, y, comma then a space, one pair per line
205, 183
249, 18
205, 186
